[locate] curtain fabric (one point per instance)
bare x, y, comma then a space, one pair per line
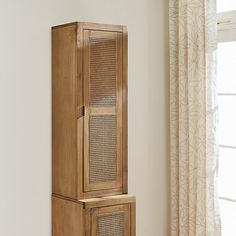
193, 114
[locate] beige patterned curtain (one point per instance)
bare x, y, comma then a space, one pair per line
193, 114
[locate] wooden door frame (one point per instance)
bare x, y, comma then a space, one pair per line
80, 121
104, 211
117, 110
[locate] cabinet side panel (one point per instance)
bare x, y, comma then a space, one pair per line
67, 218
64, 74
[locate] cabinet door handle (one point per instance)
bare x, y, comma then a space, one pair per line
80, 112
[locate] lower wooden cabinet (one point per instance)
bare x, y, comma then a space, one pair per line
107, 216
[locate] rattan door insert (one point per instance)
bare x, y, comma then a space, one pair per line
111, 221
102, 72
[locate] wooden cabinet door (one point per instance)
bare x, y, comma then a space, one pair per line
102, 79
110, 221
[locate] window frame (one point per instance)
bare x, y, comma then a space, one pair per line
226, 33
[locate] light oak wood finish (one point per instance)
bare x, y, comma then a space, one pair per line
133, 218
125, 110
71, 110
93, 26
64, 82
102, 109
107, 201
68, 218
84, 218
90, 131
122, 228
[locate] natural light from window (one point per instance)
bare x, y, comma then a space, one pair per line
226, 72
226, 5
227, 135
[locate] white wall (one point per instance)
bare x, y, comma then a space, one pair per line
25, 102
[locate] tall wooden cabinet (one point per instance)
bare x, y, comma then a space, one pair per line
89, 102
89, 126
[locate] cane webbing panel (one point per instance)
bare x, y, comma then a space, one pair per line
103, 61
103, 148
111, 225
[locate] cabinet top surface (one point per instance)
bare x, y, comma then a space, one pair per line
93, 26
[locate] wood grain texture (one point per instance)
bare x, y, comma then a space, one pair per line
107, 201
80, 106
102, 27
125, 110
64, 67
101, 67
93, 26
92, 194
71, 109
101, 193
133, 219
88, 223
70, 84
94, 216
67, 218
86, 85
114, 220
119, 110
71, 218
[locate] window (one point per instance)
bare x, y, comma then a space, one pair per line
227, 116
226, 5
